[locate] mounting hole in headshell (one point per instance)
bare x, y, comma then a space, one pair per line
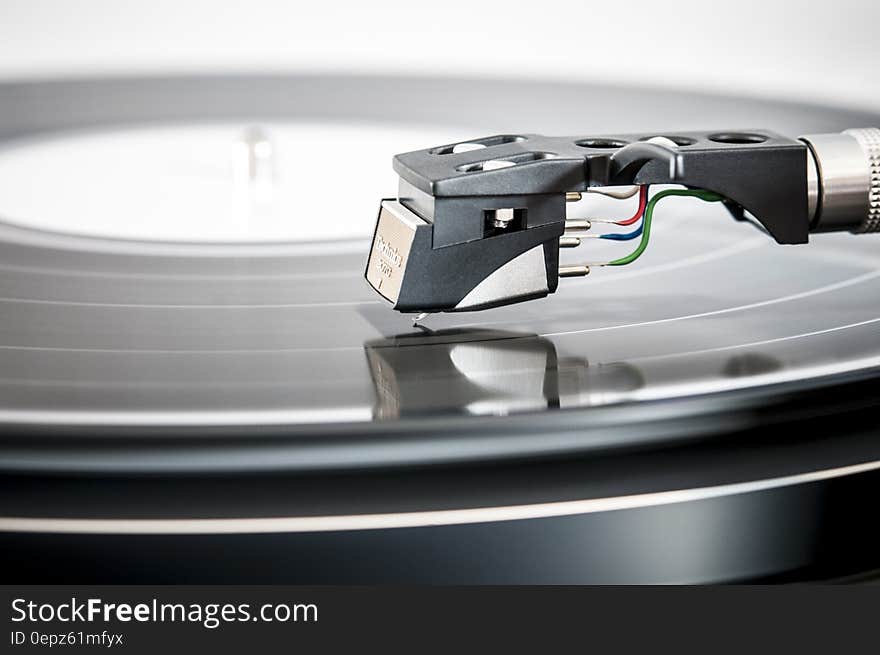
477, 144
505, 162
677, 140
740, 138
607, 144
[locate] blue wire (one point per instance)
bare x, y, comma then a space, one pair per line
616, 236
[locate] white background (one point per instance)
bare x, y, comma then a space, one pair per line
824, 51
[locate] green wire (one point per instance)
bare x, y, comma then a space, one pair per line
707, 196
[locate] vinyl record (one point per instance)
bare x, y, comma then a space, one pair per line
723, 380
225, 332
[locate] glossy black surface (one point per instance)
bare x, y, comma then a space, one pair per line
124, 339
148, 383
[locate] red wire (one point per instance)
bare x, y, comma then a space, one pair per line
643, 202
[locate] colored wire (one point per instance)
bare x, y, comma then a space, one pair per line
614, 193
617, 236
643, 202
706, 196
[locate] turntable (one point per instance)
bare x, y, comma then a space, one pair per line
199, 386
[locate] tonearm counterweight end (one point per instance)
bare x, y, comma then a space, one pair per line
479, 224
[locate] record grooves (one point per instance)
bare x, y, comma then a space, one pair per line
709, 415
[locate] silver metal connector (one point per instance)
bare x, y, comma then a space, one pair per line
574, 271
843, 180
577, 224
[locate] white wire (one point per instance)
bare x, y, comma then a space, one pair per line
629, 192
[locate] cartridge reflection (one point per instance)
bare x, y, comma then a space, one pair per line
486, 372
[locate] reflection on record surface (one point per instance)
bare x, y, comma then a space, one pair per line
485, 372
